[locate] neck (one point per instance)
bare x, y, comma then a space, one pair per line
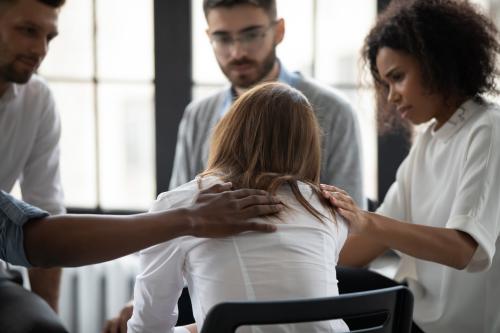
271, 76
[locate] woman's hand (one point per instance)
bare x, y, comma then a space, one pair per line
119, 323
345, 206
445, 246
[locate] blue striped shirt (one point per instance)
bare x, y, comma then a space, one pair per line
13, 215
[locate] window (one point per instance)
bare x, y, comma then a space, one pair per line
101, 71
317, 44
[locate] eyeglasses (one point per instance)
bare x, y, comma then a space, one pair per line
250, 40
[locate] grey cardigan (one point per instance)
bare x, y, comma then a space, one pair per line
341, 144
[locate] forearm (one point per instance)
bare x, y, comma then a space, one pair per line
359, 251
74, 240
45, 282
441, 245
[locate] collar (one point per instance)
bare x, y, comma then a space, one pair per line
458, 119
284, 76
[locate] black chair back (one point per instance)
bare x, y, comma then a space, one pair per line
395, 304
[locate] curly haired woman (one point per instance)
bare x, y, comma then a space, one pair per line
432, 62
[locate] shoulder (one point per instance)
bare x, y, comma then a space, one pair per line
183, 195
483, 131
178, 197
483, 122
324, 98
206, 106
36, 101
488, 115
37, 87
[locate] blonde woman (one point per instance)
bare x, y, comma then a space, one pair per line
269, 140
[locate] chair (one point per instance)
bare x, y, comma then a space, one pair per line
395, 304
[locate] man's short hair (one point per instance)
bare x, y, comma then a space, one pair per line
269, 6
51, 3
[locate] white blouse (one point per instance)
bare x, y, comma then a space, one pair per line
451, 179
297, 261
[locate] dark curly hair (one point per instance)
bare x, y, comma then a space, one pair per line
455, 45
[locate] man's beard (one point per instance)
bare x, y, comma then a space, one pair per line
244, 80
8, 73
8, 70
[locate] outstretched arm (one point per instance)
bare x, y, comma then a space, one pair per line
74, 240
449, 247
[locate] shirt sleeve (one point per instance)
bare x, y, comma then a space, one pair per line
476, 208
396, 201
40, 180
159, 285
13, 215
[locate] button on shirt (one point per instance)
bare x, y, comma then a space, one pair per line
13, 215
296, 261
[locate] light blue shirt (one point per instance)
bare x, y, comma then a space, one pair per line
341, 143
284, 76
13, 215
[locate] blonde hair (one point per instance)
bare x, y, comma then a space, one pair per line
269, 137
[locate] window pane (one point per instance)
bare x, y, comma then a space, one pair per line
363, 102
340, 38
125, 42
70, 54
126, 143
205, 67
75, 103
297, 49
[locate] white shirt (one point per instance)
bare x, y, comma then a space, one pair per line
297, 261
451, 178
29, 144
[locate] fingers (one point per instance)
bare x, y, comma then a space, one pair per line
345, 213
260, 227
253, 200
243, 193
261, 210
111, 326
217, 188
342, 201
119, 324
123, 324
331, 188
125, 315
237, 194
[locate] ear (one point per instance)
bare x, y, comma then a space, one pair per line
279, 31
